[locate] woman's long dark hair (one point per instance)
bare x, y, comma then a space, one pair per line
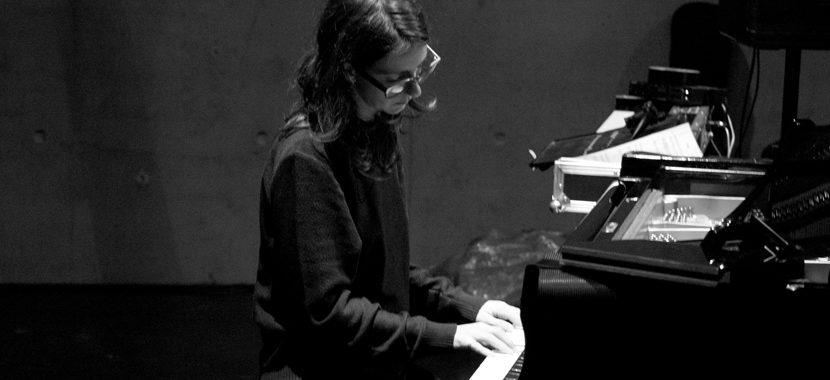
356, 33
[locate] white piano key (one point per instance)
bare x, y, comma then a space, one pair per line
496, 367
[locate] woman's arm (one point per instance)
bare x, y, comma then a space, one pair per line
436, 297
312, 254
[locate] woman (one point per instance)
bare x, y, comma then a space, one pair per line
336, 296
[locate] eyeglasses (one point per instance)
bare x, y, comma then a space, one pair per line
421, 74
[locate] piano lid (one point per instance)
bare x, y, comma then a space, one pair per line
652, 223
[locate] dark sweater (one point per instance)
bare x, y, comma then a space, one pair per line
335, 295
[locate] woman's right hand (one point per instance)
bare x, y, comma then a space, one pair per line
483, 338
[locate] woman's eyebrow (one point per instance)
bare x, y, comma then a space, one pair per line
395, 75
400, 72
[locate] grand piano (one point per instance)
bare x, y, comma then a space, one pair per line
699, 267
684, 263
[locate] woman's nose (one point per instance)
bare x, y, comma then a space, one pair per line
414, 89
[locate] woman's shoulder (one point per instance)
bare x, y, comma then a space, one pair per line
297, 141
297, 137
297, 144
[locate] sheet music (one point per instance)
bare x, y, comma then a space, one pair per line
675, 141
497, 366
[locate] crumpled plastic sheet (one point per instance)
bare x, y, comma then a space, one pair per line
493, 266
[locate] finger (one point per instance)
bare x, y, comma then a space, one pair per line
500, 346
478, 347
500, 323
518, 322
501, 342
505, 325
512, 314
516, 317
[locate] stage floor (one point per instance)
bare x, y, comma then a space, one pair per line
127, 332
73, 332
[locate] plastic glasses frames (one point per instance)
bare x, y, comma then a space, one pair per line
422, 73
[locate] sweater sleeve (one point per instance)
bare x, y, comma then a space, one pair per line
316, 249
438, 298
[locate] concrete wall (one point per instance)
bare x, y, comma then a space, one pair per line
132, 133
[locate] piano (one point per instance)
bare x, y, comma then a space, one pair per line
503, 366
645, 286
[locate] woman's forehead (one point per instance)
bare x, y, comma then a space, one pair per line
406, 61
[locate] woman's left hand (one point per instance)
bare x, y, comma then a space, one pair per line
501, 314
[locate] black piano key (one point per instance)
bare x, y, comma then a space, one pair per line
516, 368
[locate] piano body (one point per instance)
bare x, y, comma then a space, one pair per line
636, 290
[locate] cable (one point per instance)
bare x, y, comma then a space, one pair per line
757, 84
730, 131
756, 61
746, 100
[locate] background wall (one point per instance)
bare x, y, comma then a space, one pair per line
133, 133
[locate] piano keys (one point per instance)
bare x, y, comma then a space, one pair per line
503, 366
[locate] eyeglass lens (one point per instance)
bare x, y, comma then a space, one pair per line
426, 68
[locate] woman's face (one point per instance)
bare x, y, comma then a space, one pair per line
391, 69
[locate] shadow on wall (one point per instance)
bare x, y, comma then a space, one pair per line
116, 177
696, 43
